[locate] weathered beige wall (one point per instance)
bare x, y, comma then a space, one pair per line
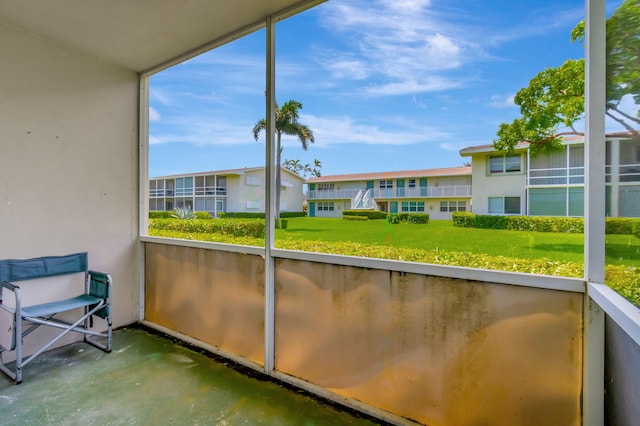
69, 160
440, 351
216, 297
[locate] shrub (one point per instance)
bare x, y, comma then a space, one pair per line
464, 219
519, 223
257, 215
621, 225
281, 223
240, 215
169, 215
236, 228
160, 215
491, 222
293, 214
183, 213
414, 218
371, 214
356, 218
418, 218
546, 224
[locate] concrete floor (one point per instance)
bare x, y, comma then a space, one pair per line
150, 380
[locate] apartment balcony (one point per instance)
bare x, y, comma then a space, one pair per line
405, 342
377, 193
198, 192
337, 194
626, 173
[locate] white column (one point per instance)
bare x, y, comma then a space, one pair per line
594, 244
270, 201
143, 185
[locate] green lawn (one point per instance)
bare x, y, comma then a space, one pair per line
442, 235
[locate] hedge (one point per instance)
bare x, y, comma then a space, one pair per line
622, 225
160, 215
415, 218
613, 225
464, 219
256, 215
356, 218
371, 214
169, 215
236, 228
519, 223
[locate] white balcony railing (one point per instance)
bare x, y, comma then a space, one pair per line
333, 194
575, 175
377, 193
188, 192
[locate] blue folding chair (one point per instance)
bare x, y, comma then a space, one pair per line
96, 300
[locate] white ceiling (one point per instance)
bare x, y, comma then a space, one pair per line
138, 34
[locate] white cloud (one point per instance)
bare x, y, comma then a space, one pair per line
401, 46
160, 96
430, 84
347, 68
203, 130
342, 130
154, 115
457, 146
502, 101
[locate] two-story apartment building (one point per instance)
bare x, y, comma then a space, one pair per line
234, 190
553, 184
438, 192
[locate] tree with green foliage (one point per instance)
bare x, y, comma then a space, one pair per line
304, 170
286, 124
554, 100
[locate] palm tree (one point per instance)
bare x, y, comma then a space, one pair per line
286, 124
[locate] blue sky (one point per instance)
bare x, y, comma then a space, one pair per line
385, 84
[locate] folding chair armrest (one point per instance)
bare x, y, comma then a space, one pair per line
8, 285
16, 294
99, 274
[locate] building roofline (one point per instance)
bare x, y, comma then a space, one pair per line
234, 172
449, 171
520, 146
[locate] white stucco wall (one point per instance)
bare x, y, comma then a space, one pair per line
246, 192
504, 185
69, 162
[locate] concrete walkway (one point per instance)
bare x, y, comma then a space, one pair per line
149, 380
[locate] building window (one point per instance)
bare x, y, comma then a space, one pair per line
253, 181
412, 183
386, 184
253, 204
500, 164
504, 205
453, 206
326, 206
326, 186
412, 206
184, 186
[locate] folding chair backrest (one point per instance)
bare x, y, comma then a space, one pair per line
26, 269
